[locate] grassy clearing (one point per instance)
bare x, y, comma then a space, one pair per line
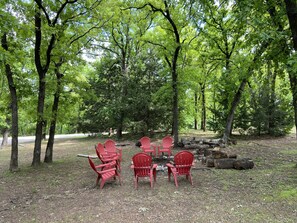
64, 190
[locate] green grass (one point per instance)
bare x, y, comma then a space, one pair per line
266, 193
289, 152
283, 193
288, 193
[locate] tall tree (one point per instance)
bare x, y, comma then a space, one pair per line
69, 49
265, 42
53, 16
14, 109
291, 9
10, 54
173, 27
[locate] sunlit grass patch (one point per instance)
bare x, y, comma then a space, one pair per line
288, 193
283, 193
289, 152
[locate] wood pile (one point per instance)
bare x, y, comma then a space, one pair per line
209, 151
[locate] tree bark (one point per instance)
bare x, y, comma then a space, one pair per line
174, 74
196, 110
14, 111
271, 111
41, 90
203, 105
175, 95
291, 8
5, 134
48, 158
41, 70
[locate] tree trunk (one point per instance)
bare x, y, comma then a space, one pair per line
291, 7
231, 113
41, 70
44, 130
48, 158
5, 137
271, 110
173, 66
14, 111
196, 110
175, 95
293, 83
203, 105
39, 124
120, 125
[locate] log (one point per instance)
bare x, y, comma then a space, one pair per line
197, 146
214, 142
243, 164
232, 156
207, 152
225, 163
216, 154
86, 156
210, 162
122, 144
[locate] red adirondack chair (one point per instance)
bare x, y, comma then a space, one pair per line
111, 149
183, 161
104, 172
166, 146
105, 157
147, 147
143, 167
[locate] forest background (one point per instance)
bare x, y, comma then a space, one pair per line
145, 66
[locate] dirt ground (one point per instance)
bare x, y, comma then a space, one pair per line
64, 191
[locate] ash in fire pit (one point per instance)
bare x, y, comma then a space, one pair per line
161, 162
162, 168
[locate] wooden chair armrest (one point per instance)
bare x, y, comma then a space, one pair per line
170, 165
154, 166
154, 145
107, 170
112, 163
108, 158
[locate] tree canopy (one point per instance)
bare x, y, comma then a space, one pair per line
145, 66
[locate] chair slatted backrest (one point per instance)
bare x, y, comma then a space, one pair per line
167, 142
100, 148
145, 142
183, 161
110, 146
100, 151
142, 164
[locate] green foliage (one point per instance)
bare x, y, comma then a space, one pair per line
132, 77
